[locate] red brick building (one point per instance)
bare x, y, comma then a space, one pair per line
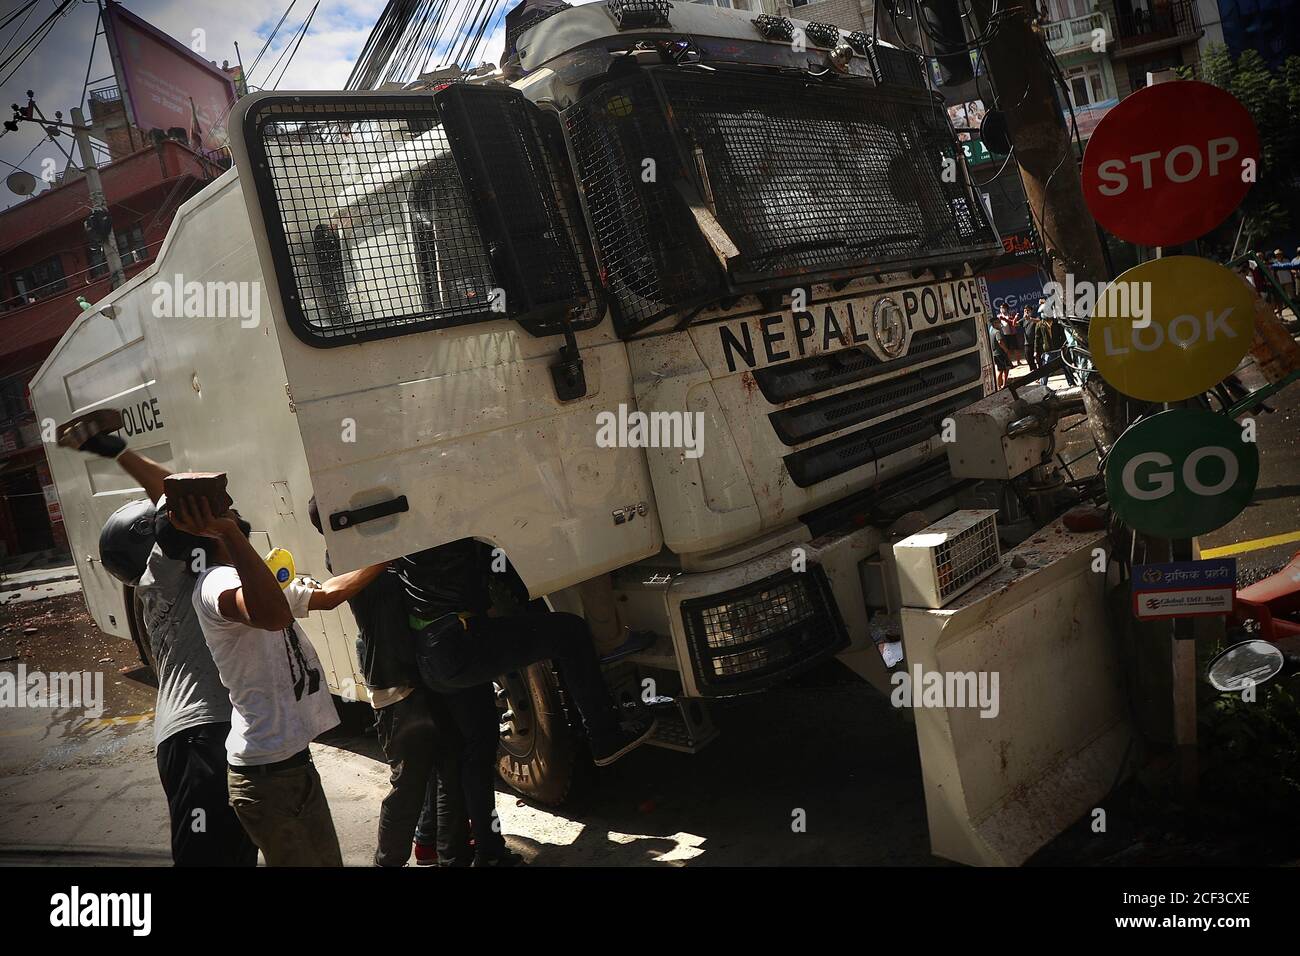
47, 264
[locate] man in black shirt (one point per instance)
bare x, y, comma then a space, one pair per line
416, 731
460, 649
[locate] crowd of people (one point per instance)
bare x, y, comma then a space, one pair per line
241, 692
1285, 275
1033, 337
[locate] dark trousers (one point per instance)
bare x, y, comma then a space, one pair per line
474, 710
205, 830
443, 812
463, 662
423, 749
456, 657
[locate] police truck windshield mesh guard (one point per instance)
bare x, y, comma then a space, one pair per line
808, 178
374, 219
381, 211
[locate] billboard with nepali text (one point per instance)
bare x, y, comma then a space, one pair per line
165, 84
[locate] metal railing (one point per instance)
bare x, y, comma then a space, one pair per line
1077, 33
1174, 20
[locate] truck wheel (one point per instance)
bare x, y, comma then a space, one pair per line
135, 620
540, 755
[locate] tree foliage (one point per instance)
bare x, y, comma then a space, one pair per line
1273, 100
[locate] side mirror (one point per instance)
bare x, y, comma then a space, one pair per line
1249, 663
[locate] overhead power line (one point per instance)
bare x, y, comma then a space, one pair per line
292, 48
265, 46
33, 41
411, 36
30, 8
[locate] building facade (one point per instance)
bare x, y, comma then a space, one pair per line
845, 14
752, 6
48, 267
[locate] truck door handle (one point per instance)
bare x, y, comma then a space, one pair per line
341, 520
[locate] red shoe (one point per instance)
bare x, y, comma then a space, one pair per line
426, 855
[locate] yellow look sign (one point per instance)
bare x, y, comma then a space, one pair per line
1171, 328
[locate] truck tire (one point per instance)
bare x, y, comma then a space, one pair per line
135, 621
541, 756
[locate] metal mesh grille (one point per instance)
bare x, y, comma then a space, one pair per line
632, 14
822, 34
372, 217
774, 28
531, 19
512, 175
811, 177
380, 211
652, 257
965, 556
861, 42
806, 177
766, 631
891, 65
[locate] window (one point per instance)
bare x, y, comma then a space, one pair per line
1069, 9
453, 268
130, 246
40, 281
1087, 86
13, 398
381, 211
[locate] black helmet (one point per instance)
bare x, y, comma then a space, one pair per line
127, 539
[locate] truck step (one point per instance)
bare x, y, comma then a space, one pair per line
684, 724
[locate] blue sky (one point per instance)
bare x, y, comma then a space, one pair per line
56, 71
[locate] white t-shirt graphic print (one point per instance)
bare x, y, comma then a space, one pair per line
277, 686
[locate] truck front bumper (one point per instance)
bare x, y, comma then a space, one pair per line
744, 628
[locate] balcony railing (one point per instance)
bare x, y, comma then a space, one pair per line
1176, 20
1078, 33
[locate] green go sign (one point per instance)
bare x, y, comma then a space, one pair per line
1181, 473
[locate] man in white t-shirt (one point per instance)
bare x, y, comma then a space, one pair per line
192, 710
279, 697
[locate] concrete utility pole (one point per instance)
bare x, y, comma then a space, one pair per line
1045, 153
97, 199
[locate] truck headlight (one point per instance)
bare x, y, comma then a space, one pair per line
756, 635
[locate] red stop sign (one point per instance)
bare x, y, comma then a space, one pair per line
1169, 163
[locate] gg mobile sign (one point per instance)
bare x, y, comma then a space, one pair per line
1170, 163
1181, 473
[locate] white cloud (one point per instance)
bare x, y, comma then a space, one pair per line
323, 61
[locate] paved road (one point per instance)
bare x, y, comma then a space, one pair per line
38, 583
1275, 510
85, 790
